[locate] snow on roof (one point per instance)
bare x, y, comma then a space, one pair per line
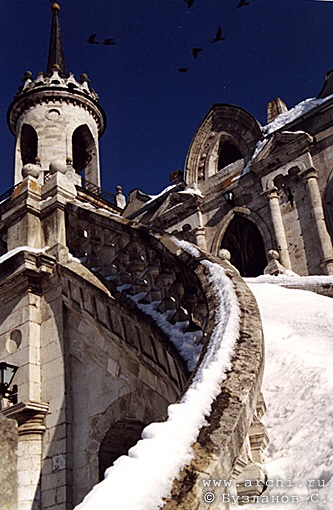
163, 192
155, 461
282, 120
292, 114
258, 148
190, 191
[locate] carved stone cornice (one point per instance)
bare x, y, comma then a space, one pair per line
24, 270
53, 95
30, 416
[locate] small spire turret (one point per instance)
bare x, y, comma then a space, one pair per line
56, 118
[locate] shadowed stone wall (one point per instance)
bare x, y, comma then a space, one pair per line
8, 464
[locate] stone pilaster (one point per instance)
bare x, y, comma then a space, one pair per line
23, 218
278, 227
57, 191
310, 178
30, 417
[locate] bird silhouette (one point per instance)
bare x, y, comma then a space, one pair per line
242, 3
189, 3
196, 51
218, 36
109, 42
91, 39
182, 69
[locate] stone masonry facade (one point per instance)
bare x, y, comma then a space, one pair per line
93, 290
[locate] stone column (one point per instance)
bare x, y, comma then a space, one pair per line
278, 227
310, 178
200, 233
30, 417
23, 217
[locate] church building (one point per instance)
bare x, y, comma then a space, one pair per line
113, 312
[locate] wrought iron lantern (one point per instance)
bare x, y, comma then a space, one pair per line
7, 373
229, 198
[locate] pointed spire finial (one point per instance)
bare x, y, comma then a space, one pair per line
55, 7
56, 51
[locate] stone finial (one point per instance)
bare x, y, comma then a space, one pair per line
274, 266
224, 254
176, 177
84, 78
275, 108
57, 166
55, 68
55, 7
30, 169
27, 76
120, 198
26, 79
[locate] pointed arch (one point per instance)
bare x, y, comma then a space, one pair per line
119, 428
224, 123
244, 233
245, 244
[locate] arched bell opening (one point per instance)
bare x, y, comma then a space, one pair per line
246, 246
28, 144
84, 152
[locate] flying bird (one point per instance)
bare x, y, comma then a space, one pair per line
91, 39
109, 42
182, 69
218, 36
242, 3
189, 3
196, 51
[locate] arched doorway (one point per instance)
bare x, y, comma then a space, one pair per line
121, 436
243, 239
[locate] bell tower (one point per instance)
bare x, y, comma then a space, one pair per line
57, 120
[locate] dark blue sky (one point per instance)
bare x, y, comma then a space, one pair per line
271, 48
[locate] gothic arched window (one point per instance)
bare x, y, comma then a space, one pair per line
228, 153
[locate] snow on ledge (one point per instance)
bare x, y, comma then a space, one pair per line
293, 279
13, 252
165, 448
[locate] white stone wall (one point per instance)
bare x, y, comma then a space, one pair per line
54, 124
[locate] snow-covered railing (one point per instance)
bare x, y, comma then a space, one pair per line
134, 264
206, 429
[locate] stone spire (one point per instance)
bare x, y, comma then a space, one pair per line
56, 50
